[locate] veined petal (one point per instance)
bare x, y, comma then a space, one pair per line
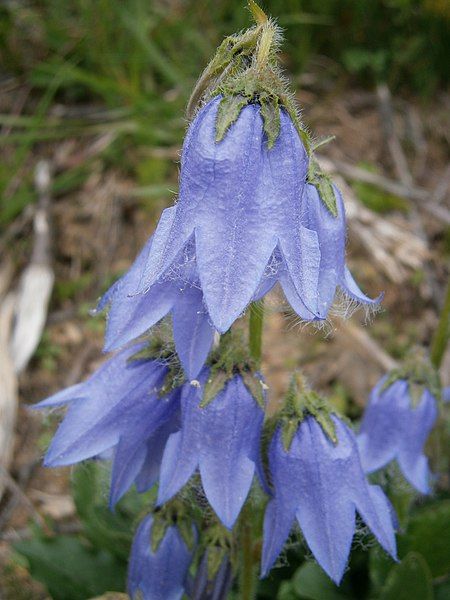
325, 512
301, 253
132, 449
181, 454
377, 513
95, 423
331, 231
155, 445
277, 526
130, 317
234, 239
192, 330
231, 428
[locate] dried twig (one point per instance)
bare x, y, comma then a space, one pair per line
395, 249
419, 195
8, 388
369, 346
36, 282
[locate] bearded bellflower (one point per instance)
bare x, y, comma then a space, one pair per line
318, 481
219, 436
158, 568
120, 408
244, 206
254, 210
402, 410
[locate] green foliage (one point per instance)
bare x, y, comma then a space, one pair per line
77, 567
70, 569
410, 580
428, 533
311, 583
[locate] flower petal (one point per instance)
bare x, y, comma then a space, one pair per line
160, 574
231, 428
192, 331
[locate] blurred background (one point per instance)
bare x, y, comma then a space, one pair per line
92, 97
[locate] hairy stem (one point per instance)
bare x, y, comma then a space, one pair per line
442, 333
255, 331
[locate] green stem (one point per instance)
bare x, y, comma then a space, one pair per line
442, 333
249, 576
255, 331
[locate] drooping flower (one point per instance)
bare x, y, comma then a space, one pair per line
239, 201
158, 573
396, 426
177, 293
244, 206
221, 439
321, 484
120, 408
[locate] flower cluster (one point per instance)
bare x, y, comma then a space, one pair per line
188, 413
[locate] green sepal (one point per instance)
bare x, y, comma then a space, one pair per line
159, 528
270, 113
420, 374
301, 402
289, 429
186, 532
256, 387
172, 513
229, 111
232, 358
229, 59
215, 556
215, 384
323, 183
218, 543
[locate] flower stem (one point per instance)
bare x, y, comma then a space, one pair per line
442, 333
255, 331
249, 577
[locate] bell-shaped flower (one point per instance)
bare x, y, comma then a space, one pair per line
243, 207
239, 201
158, 573
120, 408
177, 293
221, 439
396, 427
321, 484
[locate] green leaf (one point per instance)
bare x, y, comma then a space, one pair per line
69, 569
380, 565
310, 582
429, 534
410, 580
105, 529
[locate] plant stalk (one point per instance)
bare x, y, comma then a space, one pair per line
255, 331
442, 333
